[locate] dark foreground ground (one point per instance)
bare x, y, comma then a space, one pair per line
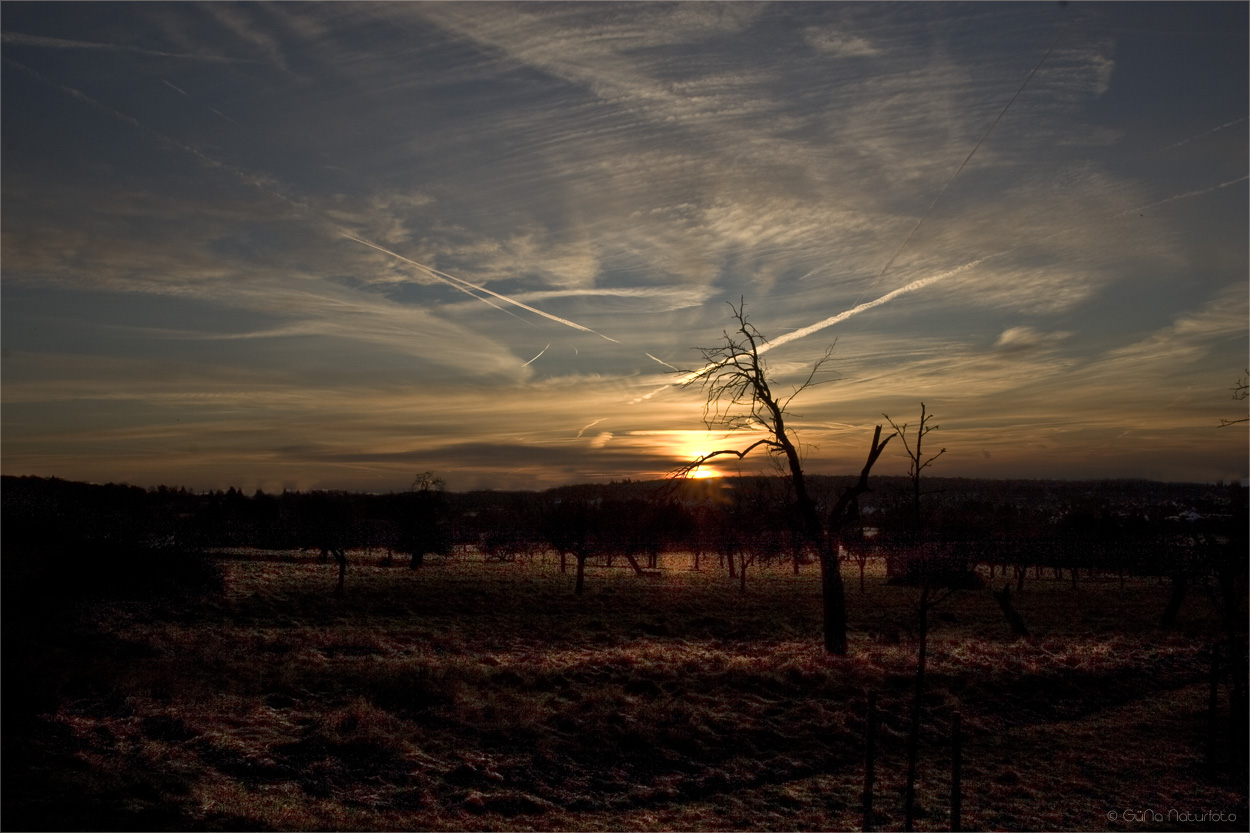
484, 696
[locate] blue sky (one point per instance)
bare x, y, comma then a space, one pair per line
331, 245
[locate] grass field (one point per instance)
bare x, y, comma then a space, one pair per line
473, 695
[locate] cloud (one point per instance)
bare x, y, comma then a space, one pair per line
248, 25
588, 426
387, 215
840, 44
1020, 339
1190, 337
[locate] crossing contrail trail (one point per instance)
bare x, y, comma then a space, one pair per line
430, 270
344, 233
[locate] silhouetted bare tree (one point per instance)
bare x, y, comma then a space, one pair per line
424, 523
917, 458
739, 395
927, 602
574, 524
328, 521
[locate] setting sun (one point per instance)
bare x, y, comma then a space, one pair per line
687, 446
703, 472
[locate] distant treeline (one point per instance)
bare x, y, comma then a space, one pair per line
988, 521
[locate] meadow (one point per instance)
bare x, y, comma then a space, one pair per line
483, 695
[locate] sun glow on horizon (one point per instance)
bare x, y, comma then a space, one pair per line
703, 473
684, 446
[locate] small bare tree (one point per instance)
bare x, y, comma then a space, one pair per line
861, 553
738, 395
917, 458
927, 600
425, 528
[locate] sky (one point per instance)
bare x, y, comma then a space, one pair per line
333, 245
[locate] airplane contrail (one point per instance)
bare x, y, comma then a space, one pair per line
921, 283
1197, 193
591, 425
540, 352
802, 332
1207, 132
661, 361
214, 110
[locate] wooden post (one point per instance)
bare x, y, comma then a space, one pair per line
341, 557
1213, 709
633, 562
870, 758
913, 736
956, 772
1238, 707
1003, 597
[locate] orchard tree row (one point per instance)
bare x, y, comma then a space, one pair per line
1133, 527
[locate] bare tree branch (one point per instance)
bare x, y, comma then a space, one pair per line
811, 377
1241, 390
839, 516
918, 463
686, 468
